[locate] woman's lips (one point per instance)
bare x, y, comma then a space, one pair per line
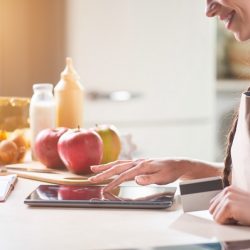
227, 19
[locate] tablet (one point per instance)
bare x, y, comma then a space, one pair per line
94, 196
229, 245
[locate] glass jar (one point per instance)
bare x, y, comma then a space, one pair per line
42, 111
14, 113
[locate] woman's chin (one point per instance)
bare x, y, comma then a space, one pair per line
241, 37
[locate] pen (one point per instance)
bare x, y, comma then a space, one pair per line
13, 181
8, 185
12, 185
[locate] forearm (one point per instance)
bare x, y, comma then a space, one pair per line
195, 169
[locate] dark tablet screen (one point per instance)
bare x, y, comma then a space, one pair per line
94, 196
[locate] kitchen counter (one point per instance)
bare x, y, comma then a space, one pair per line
23, 227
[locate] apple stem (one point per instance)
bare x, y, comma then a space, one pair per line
78, 127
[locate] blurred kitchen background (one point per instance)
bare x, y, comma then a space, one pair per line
159, 70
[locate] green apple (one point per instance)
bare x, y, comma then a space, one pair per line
111, 142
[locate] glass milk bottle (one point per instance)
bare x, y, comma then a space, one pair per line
69, 97
42, 111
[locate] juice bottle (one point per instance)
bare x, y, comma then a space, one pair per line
69, 97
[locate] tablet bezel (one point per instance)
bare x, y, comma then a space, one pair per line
103, 203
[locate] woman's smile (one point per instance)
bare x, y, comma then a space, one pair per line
224, 13
228, 18
234, 13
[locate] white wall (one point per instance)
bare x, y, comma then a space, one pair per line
162, 49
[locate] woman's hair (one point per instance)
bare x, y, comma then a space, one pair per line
228, 158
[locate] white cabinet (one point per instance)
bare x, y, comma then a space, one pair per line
167, 140
161, 49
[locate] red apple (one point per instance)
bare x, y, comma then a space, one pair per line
79, 149
80, 193
46, 147
111, 142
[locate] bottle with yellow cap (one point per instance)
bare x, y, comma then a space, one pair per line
69, 97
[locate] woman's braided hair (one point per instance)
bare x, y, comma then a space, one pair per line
228, 158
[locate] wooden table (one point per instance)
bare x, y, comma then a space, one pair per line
22, 227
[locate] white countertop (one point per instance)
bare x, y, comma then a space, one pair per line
22, 227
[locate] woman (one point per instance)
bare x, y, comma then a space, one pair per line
232, 204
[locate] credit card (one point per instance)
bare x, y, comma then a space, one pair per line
197, 194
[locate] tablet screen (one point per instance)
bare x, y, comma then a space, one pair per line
137, 196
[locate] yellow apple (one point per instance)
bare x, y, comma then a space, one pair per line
111, 142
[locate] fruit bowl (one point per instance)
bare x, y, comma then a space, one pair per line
14, 113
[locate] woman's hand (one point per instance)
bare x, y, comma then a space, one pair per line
231, 206
144, 172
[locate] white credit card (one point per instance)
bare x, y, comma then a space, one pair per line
197, 194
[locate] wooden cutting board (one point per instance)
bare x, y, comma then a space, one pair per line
61, 177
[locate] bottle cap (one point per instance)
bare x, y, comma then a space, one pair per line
42, 86
69, 72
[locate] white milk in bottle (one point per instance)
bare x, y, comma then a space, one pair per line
69, 97
42, 111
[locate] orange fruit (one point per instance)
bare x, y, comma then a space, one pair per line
8, 152
19, 139
3, 135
